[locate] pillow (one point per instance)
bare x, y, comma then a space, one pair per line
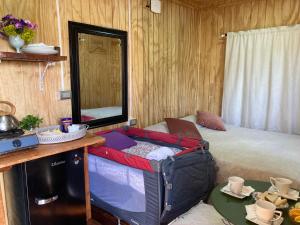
87, 118
210, 121
183, 128
118, 141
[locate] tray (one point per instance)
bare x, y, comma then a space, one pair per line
60, 138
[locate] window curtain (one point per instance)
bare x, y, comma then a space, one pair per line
262, 79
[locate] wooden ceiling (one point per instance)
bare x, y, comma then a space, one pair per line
208, 3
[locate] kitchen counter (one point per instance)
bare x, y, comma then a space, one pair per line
14, 158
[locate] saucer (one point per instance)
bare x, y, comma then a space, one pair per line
251, 216
292, 194
246, 191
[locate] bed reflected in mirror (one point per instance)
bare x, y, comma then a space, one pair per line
99, 74
100, 63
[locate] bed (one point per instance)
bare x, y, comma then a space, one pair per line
141, 185
249, 153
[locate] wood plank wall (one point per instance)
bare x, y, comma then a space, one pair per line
19, 81
164, 50
241, 15
177, 58
165, 62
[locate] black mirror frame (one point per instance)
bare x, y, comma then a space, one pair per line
74, 29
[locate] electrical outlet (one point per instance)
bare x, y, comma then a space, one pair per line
132, 122
64, 95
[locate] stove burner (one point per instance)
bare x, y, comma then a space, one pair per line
11, 134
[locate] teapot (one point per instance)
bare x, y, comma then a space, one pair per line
7, 120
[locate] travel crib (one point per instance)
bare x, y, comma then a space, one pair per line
149, 192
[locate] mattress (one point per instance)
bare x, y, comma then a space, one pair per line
249, 153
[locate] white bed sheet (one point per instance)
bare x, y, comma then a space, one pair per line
252, 154
100, 113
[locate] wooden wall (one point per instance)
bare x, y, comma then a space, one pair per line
242, 15
177, 58
165, 56
100, 71
165, 62
19, 81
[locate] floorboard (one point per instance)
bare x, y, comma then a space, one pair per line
104, 218
93, 222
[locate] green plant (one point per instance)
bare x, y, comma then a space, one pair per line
30, 122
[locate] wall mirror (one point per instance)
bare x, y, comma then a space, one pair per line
98, 58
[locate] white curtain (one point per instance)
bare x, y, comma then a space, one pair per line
262, 79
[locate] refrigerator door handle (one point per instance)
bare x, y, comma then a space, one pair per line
41, 201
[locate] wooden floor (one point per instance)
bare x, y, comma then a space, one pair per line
93, 222
101, 217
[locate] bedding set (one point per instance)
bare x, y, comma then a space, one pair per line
149, 178
248, 153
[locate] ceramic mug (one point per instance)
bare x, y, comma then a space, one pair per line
65, 123
74, 127
282, 185
265, 211
236, 184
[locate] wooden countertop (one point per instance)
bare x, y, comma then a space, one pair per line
10, 159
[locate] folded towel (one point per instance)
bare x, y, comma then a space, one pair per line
160, 153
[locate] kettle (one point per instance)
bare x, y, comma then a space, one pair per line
7, 120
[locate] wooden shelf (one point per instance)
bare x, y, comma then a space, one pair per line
13, 56
26, 57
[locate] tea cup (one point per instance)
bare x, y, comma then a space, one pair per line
236, 184
282, 185
265, 211
74, 127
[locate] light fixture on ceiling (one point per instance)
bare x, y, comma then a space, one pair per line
155, 6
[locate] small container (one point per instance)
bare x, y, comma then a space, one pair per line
65, 123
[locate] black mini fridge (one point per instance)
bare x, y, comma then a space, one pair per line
47, 191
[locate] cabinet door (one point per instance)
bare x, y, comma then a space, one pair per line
56, 189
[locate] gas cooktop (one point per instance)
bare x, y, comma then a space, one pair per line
14, 140
11, 134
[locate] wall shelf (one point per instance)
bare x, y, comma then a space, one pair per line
26, 57
13, 56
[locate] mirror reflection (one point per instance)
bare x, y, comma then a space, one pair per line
100, 60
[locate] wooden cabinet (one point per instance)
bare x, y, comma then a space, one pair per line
11, 159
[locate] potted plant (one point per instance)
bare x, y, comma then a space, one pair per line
30, 122
17, 31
